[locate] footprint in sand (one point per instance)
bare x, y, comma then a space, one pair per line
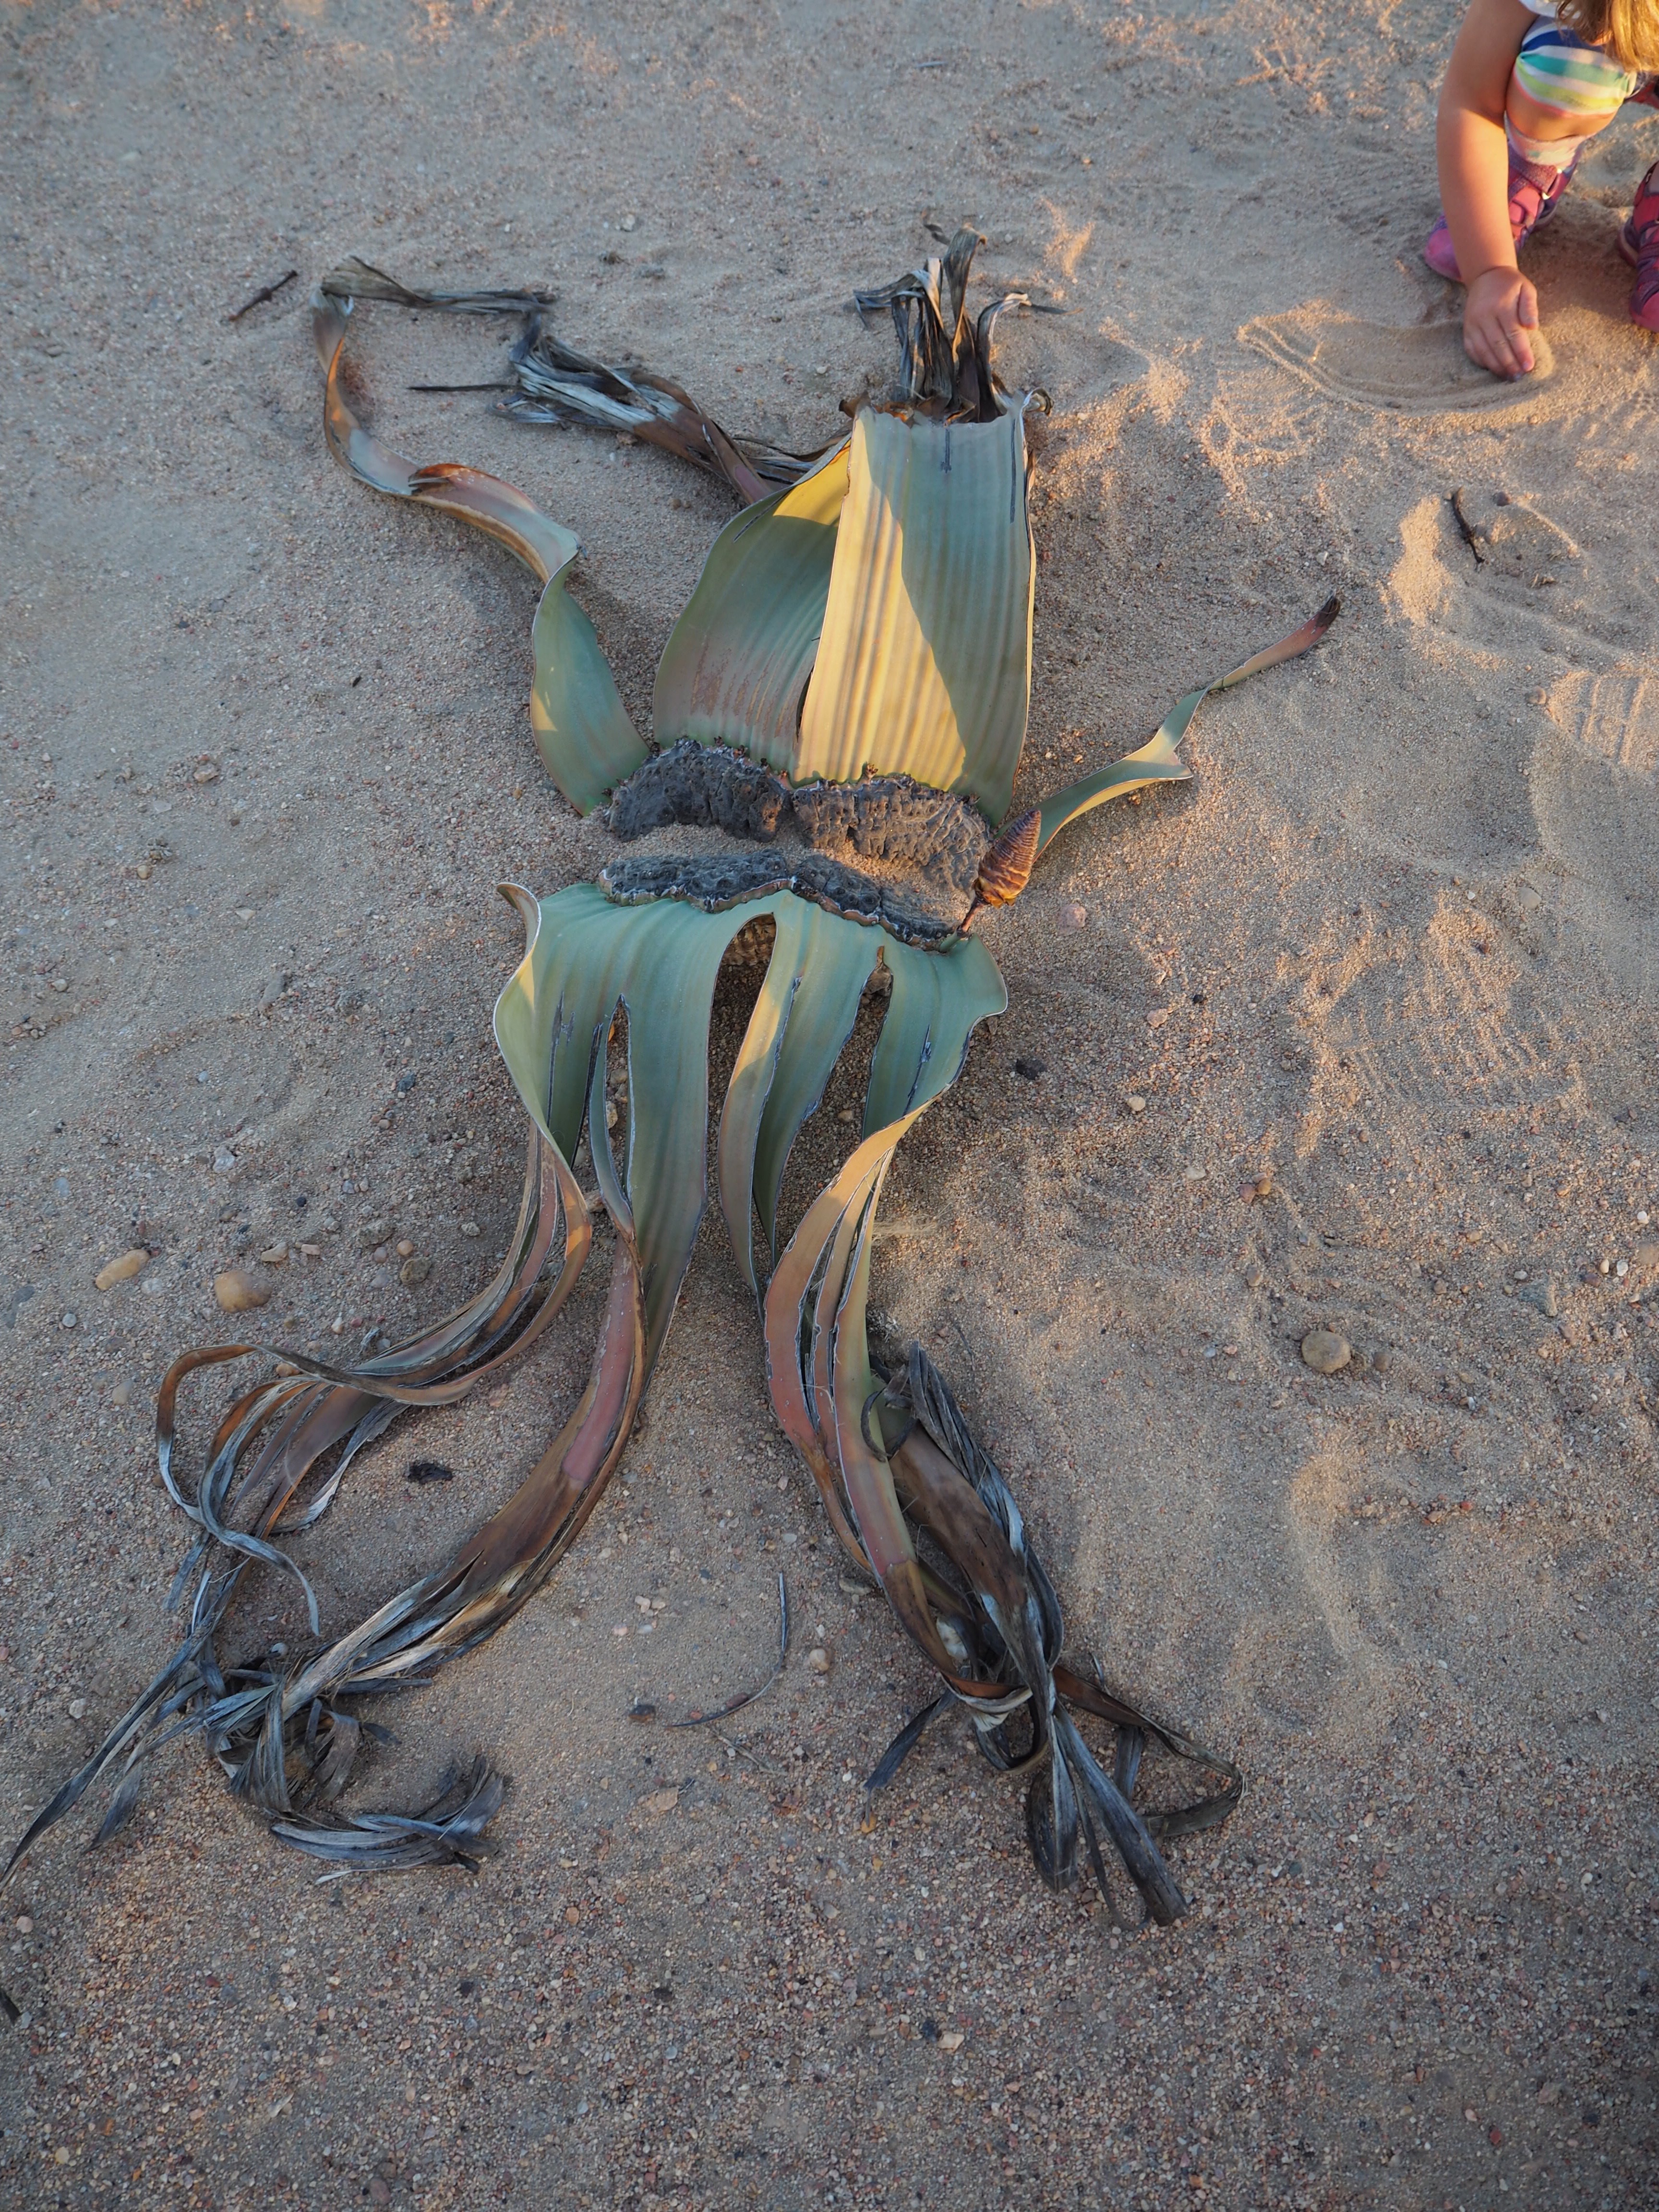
1596, 798
1523, 581
1422, 371
1593, 768
1364, 1587
1615, 717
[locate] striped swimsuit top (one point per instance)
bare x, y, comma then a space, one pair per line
1561, 73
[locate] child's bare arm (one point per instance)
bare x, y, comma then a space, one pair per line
1501, 305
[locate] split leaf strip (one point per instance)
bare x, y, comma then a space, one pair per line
788, 1352
1158, 760
356, 279
1007, 1619
449, 1832
274, 1436
555, 383
939, 999
587, 958
868, 1478
945, 355
803, 1017
581, 726
559, 385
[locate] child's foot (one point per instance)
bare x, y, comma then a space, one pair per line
1638, 242
1534, 195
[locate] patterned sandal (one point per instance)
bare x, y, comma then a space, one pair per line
1638, 242
1535, 192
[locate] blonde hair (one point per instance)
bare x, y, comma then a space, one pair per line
1628, 30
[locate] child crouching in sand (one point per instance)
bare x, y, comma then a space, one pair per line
1531, 84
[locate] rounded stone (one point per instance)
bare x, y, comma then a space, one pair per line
237, 1292
121, 1270
1326, 1353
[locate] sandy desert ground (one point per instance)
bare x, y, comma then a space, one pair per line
264, 754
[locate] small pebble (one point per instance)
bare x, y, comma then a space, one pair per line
237, 1292
470, 1229
1072, 916
1156, 1018
24, 1924
1325, 1352
71, 1321
817, 1659
273, 1255
77, 1708
404, 1247
121, 1270
121, 1395
1194, 1174
1135, 1103
414, 1272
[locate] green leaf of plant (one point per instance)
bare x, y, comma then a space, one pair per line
1157, 760
657, 963
737, 660
580, 725
802, 1019
925, 663
939, 998
865, 1473
789, 1380
837, 959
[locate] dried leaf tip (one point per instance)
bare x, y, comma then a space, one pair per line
1007, 868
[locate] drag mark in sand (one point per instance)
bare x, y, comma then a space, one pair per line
1421, 371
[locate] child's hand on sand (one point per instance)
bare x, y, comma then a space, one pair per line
1500, 309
